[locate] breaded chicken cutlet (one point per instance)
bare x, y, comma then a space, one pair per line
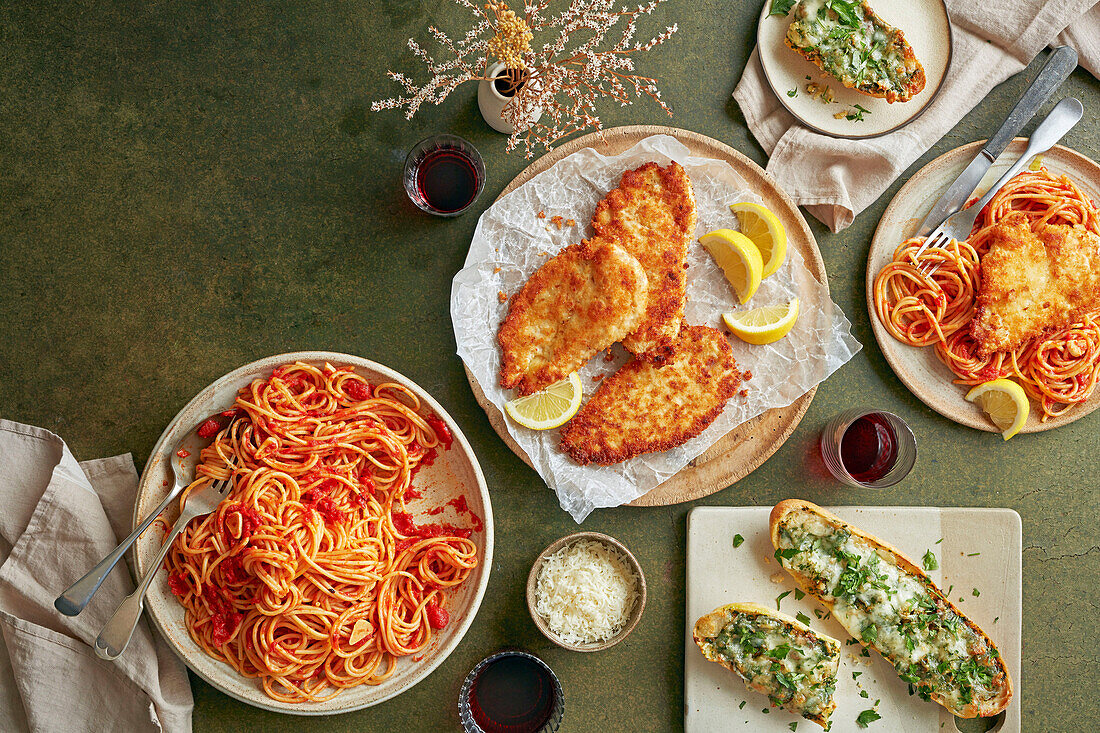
645, 408
1034, 282
652, 216
580, 302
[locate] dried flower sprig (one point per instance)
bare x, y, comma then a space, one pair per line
562, 80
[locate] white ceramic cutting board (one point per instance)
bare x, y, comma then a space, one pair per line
719, 573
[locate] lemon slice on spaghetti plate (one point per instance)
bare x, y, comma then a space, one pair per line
1005, 402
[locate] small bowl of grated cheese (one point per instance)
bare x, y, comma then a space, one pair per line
586, 592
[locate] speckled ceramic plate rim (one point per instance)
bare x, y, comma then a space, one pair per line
209, 669
904, 213
803, 121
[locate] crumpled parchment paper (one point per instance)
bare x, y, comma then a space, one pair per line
511, 242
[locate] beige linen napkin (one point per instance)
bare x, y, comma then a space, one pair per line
59, 518
993, 39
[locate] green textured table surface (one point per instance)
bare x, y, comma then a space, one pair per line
185, 187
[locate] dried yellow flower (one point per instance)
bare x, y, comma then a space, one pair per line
512, 38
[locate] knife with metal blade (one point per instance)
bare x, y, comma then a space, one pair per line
1062, 61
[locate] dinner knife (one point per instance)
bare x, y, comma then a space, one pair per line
1055, 71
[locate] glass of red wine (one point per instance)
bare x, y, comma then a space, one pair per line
444, 175
868, 449
511, 692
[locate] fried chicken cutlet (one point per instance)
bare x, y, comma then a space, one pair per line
645, 408
652, 216
578, 303
1034, 282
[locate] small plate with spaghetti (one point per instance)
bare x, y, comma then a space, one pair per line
353, 551
924, 332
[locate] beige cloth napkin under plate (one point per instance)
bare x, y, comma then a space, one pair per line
993, 39
58, 519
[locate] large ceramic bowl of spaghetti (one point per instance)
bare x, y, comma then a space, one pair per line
352, 552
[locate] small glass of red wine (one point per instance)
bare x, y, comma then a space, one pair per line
868, 449
444, 175
511, 692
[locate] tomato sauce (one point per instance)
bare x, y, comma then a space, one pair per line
356, 390
437, 617
441, 431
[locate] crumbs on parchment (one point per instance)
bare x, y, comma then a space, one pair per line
746, 376
597, 377
496, 270
556, 220
541, 215
744, 393
502, 296
609, 356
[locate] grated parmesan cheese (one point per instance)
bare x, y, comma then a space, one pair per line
585, 592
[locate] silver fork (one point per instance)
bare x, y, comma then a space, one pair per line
116, 633
1061, 120
78, 595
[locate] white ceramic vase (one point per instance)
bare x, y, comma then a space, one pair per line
491, 102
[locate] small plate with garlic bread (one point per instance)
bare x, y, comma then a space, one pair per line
855, 68
972, 583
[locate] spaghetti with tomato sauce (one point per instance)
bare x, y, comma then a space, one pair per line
1057, 369
312, 575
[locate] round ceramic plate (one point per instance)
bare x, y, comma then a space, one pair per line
455, 472
927, 28
740, 451
918, 368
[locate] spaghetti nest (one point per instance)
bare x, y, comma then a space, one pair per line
1058, 369
311, 575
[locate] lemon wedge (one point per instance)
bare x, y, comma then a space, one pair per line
1005, 402
549, 408
739, 259
762, 226
763, 325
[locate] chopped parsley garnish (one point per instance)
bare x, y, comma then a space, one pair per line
863, 693
780, 652
869, 633
798, 595
780, 597
794, 726
742, 705
765, 711
781, 555
857, 114
930, 562
976, 592
939, 540
974, 554
867, 717
738, 540
803, 618
845, 10
792, 92
781, 7
856, 674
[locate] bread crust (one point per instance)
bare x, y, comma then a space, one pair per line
709, 625
890, 553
